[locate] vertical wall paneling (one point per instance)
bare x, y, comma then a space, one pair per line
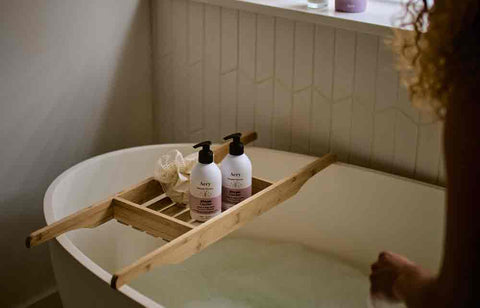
282, 126
284, 35
441, 171
228, 97
246, 71
361, 139
383, 140
406, 132
304, 40
405, 141
344, 62
404, 105
282, 118
385, 117
303, 74
300, 120
195, 32
164, 98
428, 152
264, 76
341, 127
324, 53
155, 14
387, 78
211, 84
180, 70
303, 87
265, 45
197, 136
245, 103
229, 32
195, 55
320, 126
247, 39
363, 99
324, 60
228, 78
263, 113
442, 176
162, 61
163, 29
195, 110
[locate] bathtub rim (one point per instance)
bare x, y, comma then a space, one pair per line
98, 271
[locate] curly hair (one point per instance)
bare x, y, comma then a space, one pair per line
440, 58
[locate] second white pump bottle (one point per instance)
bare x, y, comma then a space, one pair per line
236, 174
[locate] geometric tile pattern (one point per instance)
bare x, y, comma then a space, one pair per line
303, 87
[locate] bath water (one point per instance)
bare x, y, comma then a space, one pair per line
246, 273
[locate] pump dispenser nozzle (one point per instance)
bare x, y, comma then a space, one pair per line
205, 156
236, 146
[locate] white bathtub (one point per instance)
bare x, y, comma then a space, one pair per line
349, 212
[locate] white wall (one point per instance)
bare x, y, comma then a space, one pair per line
305, 88
75, 81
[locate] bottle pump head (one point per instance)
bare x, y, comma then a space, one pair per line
236, 147
205, 156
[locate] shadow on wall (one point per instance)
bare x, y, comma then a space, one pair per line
75, 81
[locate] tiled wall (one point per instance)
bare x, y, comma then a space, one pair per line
303, 87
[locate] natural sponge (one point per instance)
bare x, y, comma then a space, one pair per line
173, 170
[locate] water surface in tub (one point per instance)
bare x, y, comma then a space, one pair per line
240, 273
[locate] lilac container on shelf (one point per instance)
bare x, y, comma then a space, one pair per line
350, 6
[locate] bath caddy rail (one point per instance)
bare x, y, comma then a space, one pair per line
146, 208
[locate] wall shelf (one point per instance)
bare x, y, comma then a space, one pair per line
379, 18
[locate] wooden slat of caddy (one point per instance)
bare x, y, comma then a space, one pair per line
149, 220
161, 204
89, 217
143, 193
259, 184
152, 201
219, 226
185, 210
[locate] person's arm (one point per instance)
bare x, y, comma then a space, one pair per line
455, 285
398, 279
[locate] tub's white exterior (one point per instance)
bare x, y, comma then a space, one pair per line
346, 211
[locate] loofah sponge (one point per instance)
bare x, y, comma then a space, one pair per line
173, 170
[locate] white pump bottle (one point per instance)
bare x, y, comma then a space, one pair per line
236, 174
205, 185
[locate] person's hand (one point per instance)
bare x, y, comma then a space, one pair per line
395, 278
385, 271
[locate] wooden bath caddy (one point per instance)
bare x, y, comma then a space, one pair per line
145, 207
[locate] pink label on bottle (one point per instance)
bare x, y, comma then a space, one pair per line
206, 205
232, 196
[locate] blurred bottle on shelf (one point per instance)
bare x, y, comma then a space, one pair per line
317, 4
